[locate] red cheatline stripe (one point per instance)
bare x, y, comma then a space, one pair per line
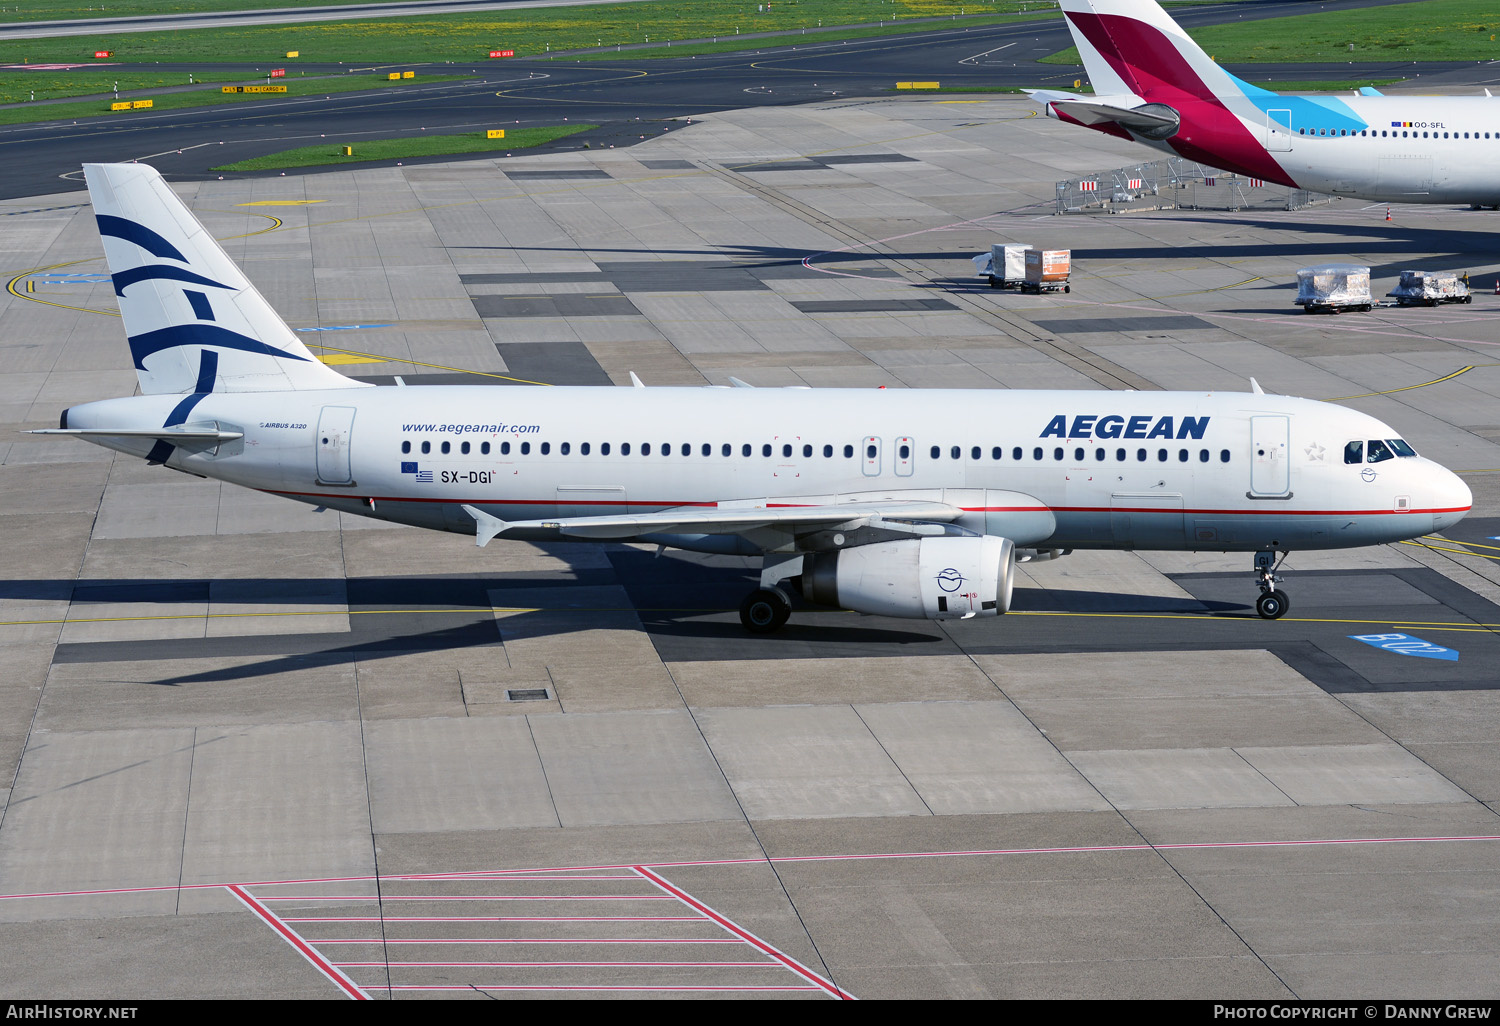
525, 940
304, 949
667, 505
745, 935
559, 965
495, 919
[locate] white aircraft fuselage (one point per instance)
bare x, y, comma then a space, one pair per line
1150, 470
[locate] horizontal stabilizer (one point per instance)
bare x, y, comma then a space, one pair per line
1094, 112
168, 434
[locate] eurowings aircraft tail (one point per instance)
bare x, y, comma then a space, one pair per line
1153, 84
194, 321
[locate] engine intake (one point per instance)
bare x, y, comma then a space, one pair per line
921, 578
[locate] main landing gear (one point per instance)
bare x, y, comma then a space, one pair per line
765, 610
1272, 604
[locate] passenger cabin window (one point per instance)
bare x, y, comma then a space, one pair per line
484, 448
1354, 452
426, 448
406, 446
504, 448
464, 448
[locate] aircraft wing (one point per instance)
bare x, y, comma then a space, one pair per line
910, 516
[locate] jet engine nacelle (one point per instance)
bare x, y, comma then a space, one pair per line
920, 578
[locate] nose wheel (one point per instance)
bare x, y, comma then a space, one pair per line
765, 610
1272, 604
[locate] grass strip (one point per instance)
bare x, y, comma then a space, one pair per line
296, 87
405, 148
71, 10
19, 86
530, 32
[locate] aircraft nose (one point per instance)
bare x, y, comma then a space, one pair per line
1452, 499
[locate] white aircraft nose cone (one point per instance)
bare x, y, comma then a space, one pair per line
1452, 500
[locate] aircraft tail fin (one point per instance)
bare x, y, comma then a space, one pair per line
1134, 47
193, 320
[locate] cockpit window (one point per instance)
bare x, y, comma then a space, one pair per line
1354, 452
1377, 451
1400, 448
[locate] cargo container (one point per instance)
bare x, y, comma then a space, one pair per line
1006, 266
1047, 270
1334, 288
1429, 288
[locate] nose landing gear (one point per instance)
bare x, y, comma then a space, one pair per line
1272, 604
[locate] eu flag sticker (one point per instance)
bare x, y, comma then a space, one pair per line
408, 468
1405, 644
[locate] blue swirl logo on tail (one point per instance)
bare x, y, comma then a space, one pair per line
149, 342
130, 231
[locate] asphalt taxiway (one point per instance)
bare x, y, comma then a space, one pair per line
250, 749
